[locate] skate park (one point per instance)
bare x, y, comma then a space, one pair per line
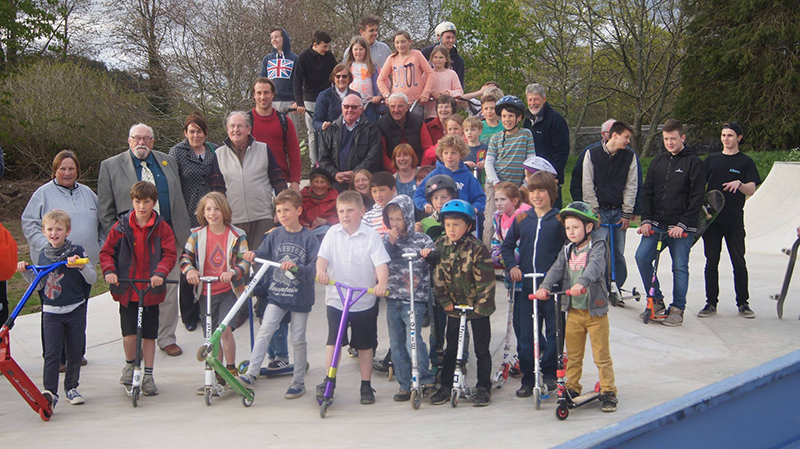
654, 365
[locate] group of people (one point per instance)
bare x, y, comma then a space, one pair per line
395, 169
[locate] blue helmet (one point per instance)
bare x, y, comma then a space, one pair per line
458, 207
509, 101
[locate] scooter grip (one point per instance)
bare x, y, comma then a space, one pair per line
81, 261
652, 232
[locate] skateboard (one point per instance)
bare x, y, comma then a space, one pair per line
781, 297
713, 202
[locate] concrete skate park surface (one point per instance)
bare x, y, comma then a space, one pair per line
652, 363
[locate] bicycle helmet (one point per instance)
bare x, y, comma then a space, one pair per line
537, 163
509, 101
459, 208
438, 182
444, 27
582, 211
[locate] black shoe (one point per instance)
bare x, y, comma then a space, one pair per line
402, 396
381, 366
352, 352
550, 384
191, 326
441, 396
482, 398
524, 391
572, 394
708, 310
609, 401
368, 395
84, 362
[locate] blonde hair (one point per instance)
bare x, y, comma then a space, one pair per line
452, 142
220, 201
492, 94
59, 216
445, 52
350, 197
367, 55
514, 193
293, 197
473, 122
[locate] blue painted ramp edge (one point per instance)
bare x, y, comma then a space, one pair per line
686, 419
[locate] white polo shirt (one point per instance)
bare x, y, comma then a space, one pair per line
352, 260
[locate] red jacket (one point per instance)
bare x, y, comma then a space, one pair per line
319, 207
134, 252
435, 129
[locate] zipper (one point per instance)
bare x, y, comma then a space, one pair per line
535, 244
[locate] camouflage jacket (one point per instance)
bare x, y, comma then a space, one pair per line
464, 275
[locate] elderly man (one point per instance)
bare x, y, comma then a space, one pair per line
349, 144
401, 126
368, 29
117, 175
550, 131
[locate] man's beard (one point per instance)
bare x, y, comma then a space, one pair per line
141, 152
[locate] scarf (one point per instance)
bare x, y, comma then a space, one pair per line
58, 254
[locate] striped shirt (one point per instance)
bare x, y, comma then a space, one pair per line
506, 155
374, 219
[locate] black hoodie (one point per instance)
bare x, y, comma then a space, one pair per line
312, 75
673, 190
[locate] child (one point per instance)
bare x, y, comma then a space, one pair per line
507, 152
404, 160
477, 149
319, 203
405, 71
153, 256
214, 237
353, 253
491, 122
292, 246
401, 239
63, 295
537, 235
509, 200
444, 80
451, 150
365, 75
582, 264
422, 173
383, 190
464, 276
453, 127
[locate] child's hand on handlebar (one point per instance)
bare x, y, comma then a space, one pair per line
71, 261
193, 277
644, 229
226, 277
448, 308
577, 289
323, 278
288, 265
425, 252
22, 266
380, 289
542, 294
156, 281
675, 232
249, 256
112, 279
516, 274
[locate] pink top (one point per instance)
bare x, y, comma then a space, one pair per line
406, 74
445, 82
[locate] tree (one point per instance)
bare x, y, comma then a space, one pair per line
743, 64
21, 23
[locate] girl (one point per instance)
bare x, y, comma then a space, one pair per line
404, 160
406, 71
453, 126
360, 183
200, 258
443, 80
365, 76
509, 201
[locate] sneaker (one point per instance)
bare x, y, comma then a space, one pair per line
615, 301
675, 317
74, 397
609, 401
572, 394
248, 380
127, 375
84, 362
295, 391
277, 364
191, 327
482, 398
659, 306
402, 396
707, 311
202, 390
352, 352
50, 398
746, 312
441, 396
149, 386
62, 368
234, 371
321, 390
428, 389
514, 371
550, 385
367, 395
381, 366
524, 391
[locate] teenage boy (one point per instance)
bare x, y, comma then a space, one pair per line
736, 176
368, 29
278, 66
671, 201
491, 122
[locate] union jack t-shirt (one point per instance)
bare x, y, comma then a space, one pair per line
280, 68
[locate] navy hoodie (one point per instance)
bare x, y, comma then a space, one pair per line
279, 67
540, 241
312, 75
469, 188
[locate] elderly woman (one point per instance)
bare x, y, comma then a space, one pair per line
329, 102
64, 192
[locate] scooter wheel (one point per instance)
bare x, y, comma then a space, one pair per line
207, 394
247, 402
135, 396
323, 409
390, 373
243, 365
44, 415
415, 400
562, 412
537, 399
454, 400
646, 316
201, 354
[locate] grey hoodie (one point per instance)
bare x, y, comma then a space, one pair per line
593, 277
410, 243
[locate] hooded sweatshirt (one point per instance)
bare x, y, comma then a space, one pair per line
312, 76
412, 242
279, 67
540, 240
469, 188
673, 190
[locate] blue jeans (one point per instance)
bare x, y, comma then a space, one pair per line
601, 233
679, 252
523, 328
398, 319
278, 347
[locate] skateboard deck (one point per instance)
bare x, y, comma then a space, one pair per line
713, 202
781, 297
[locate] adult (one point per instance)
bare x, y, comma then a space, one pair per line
350, 143
446, 37
329, 101
404, 160
401, 126
446, 106
3, 289
550, 132
199, 174
313, 68
365, 77
117, 175
251, 175
610, 182
368, 29
736, 176
278, 66
272, 127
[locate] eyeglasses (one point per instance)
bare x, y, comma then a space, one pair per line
351, 106
144, 139
342, 77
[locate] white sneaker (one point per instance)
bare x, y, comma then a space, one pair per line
75, 397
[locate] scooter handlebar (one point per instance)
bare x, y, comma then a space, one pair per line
416, 254
654, 232
565, 292
81, 261
533, 275
332, 282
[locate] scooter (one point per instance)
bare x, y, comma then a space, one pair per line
509, 360
416, 388
209, 351
650, 313
8, 366
349, 296
212, 387
459, 378
538, 392
615, 293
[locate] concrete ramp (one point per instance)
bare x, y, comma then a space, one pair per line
772, 214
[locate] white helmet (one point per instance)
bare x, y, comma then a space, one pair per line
537, 163
443, 27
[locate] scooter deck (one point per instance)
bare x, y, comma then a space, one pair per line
24, 385
781, 297
584, 398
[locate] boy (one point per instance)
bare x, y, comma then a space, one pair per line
319, 203
292, 246
491, 125
451, 150
464, 276
63, 295
382, 185
671, 201
582, 265
541, 236
140, 245
401, 239
473, 128
353, 253
735, 175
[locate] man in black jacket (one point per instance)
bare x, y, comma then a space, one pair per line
671, 202
446, 37
350, 144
